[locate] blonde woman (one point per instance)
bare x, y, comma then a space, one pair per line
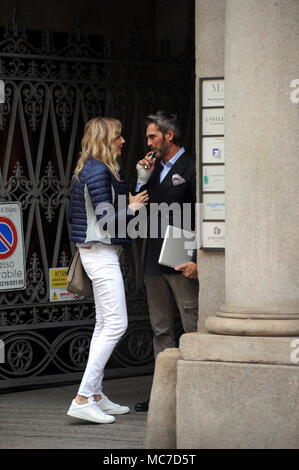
96, 189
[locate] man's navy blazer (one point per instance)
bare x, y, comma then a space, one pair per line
169, 193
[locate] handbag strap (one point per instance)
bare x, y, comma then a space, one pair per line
72, 267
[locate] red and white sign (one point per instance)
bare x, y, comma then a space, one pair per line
12, 259
8, 237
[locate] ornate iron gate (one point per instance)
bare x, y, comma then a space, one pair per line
54, 83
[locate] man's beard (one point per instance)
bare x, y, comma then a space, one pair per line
164, 148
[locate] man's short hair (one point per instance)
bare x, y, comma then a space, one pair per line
166, 122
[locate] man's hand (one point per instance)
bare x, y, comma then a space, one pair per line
147, 162
145, 168
188, 269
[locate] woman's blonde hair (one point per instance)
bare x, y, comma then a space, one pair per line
98, 142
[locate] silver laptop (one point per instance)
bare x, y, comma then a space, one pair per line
177, 247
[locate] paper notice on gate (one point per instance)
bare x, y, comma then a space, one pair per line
58, 285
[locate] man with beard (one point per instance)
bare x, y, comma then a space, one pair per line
168, 174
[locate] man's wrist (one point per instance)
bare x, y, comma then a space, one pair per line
138, 187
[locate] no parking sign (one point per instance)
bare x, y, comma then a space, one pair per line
12, 259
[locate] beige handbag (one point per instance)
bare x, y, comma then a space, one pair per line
77, 280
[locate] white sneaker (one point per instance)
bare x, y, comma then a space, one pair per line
108, 406
89, 411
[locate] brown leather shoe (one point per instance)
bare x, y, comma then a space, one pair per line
142, 406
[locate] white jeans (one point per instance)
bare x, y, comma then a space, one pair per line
101, 264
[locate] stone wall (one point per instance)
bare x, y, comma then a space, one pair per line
209, 44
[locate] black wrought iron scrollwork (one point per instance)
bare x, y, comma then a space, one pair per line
35, 283
5, 108
26, 355
29, 354
64, 102
140, 344
95, 100
78, 44
34, 96
79, 349
19, 356
136, 347
15, 37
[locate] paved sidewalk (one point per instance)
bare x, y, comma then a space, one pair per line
37, 419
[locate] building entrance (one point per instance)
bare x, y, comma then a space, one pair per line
54, 83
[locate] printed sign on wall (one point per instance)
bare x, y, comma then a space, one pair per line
213, 121
212, 161
213, 206
213, 234
213, 150
212, 93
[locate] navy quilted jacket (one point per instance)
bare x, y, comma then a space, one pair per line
96, 212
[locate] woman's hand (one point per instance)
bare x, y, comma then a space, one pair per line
139, 200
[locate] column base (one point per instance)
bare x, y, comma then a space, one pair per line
160, 430
237, 406
253, 325
242, 349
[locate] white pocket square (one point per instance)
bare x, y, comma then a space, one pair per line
177, 179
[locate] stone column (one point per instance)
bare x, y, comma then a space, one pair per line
243, 390
262, 168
